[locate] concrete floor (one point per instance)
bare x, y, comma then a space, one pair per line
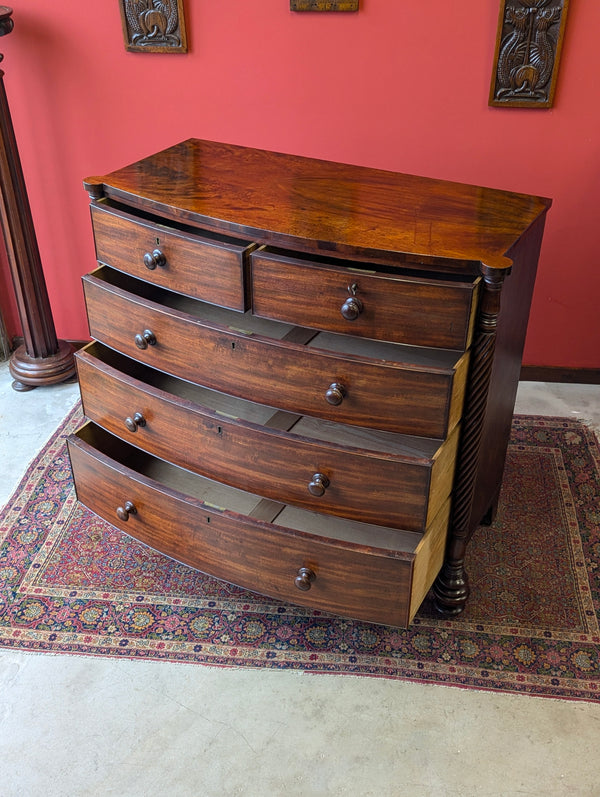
72, 726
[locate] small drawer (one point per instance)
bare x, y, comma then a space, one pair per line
340, 378
340, 566
362, 301
207, 266
375, 477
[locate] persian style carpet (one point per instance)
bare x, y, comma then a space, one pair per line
71, 583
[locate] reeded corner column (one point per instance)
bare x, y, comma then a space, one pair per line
42, 359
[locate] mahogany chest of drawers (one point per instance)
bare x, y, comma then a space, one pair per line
303, 373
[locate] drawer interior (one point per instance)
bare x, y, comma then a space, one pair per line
387, 352
391, 443
135, 215
221, 498
245, 323
408, 266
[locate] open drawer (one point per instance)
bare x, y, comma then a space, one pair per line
376, 477
358, 299
348, 568
410, 390
204, 265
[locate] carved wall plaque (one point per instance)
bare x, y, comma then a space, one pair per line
323, 5
153, 26
528, 46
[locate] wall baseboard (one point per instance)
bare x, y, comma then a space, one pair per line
541, 373
529, 373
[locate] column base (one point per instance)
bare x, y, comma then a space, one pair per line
31, 372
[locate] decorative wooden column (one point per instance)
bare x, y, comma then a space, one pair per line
42, 359
451, 588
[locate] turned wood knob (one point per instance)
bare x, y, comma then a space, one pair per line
154, 259
133, 423
351, 308
123, 512
145, 339
304, 579
318, 484
335, 393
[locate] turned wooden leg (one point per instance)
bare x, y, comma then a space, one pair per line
451, 588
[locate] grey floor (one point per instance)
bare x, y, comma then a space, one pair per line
73, 726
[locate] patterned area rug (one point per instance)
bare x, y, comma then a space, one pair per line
70, 583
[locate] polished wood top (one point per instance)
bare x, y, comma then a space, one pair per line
324, 207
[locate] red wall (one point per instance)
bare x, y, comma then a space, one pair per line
399, 85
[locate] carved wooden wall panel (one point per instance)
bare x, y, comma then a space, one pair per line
155, 26
323, 5
528, 46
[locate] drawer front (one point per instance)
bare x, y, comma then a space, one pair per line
376, 394
419, 312
361, 484
351, 580
209, 269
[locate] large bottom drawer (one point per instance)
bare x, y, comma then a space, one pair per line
341, 566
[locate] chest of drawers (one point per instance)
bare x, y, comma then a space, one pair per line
303, 373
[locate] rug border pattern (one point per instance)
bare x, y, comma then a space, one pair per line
228, 652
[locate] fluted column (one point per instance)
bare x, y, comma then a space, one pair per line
42, 359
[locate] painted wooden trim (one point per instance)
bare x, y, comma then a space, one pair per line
541, 373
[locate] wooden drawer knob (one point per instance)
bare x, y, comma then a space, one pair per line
335, 393
145, 339
318, 484
351, 308
154, 259
304, 579
133, 423
123, 512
